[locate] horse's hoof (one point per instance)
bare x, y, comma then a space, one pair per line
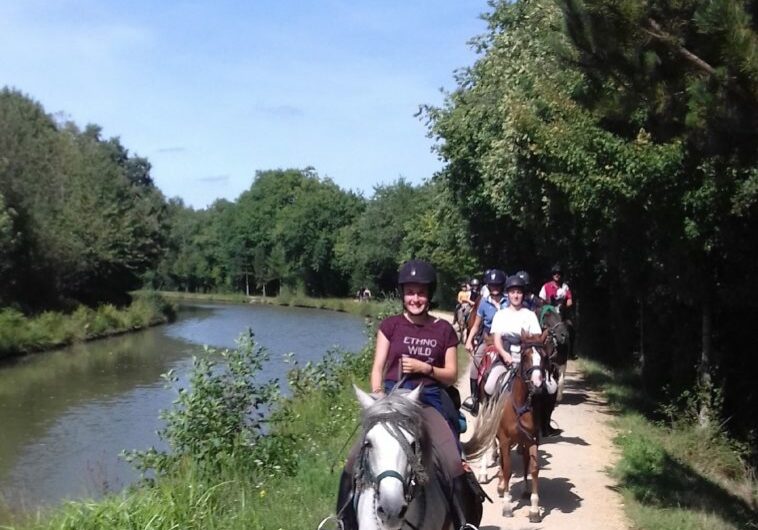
481, 477
507, 512
535, 518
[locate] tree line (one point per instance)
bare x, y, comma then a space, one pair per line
620, 139
80, 217
294, 230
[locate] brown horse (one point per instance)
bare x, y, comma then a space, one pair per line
511, 419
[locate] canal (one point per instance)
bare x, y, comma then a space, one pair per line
65, 415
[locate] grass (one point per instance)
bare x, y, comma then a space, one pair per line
673, 473
314, 430
343, 305
20, 334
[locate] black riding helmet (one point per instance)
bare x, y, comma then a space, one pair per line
495, 277
418, 271
524, 276
475, 282
557, 269
515, 281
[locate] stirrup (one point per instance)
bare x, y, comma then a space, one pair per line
470, 405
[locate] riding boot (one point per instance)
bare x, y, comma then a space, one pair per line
467, 500
471, 403
345, 507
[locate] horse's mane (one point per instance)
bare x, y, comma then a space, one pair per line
396, 412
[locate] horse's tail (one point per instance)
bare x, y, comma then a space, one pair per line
487, 424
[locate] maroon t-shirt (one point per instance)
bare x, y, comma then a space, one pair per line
425, 342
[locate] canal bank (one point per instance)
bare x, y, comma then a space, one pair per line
68, 413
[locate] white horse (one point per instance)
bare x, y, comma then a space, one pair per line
398, 479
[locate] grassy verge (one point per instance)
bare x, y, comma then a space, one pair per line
344, 305
229, 468
20, 334
673, 473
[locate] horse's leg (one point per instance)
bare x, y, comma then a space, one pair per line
561, 381
503, 485
534, 470
525, 459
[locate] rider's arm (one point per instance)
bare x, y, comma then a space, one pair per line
569, 298
380, 358
447, 375
473, 332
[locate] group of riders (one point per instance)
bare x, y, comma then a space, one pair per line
417, 349
500, 307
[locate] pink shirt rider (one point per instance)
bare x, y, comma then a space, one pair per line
552, 290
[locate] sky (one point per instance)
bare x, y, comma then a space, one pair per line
211, 92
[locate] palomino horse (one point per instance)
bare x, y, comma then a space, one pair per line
510, 418
399, 479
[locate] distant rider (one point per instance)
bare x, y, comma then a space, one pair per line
556, 292
495, 280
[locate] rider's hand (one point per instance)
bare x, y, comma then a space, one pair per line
507, 359
469, 346
411, 365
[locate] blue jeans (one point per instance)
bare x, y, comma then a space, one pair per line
434, 396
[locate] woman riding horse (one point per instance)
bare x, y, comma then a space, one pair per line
415, 349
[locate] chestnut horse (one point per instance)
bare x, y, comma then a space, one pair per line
511, 418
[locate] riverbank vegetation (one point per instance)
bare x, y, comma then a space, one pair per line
20, 334
673, 472
344, 305
241, 456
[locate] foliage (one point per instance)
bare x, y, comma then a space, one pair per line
80, 219
21, 334
673, 473
587, 133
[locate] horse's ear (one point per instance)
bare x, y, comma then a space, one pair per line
414, 394
363, 398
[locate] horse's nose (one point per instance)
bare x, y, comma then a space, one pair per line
391, 514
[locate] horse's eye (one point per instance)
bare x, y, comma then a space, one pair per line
367, 444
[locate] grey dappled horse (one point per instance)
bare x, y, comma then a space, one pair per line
399, 481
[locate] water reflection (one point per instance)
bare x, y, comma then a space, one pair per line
65, 415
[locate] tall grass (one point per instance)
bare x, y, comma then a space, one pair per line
21, 334
674, 473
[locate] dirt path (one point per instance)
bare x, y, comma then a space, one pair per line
575, 490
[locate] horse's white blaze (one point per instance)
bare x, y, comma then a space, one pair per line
366, 511
537, 373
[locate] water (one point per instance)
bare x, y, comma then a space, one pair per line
65, 415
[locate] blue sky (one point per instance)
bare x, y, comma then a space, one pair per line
211, 92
